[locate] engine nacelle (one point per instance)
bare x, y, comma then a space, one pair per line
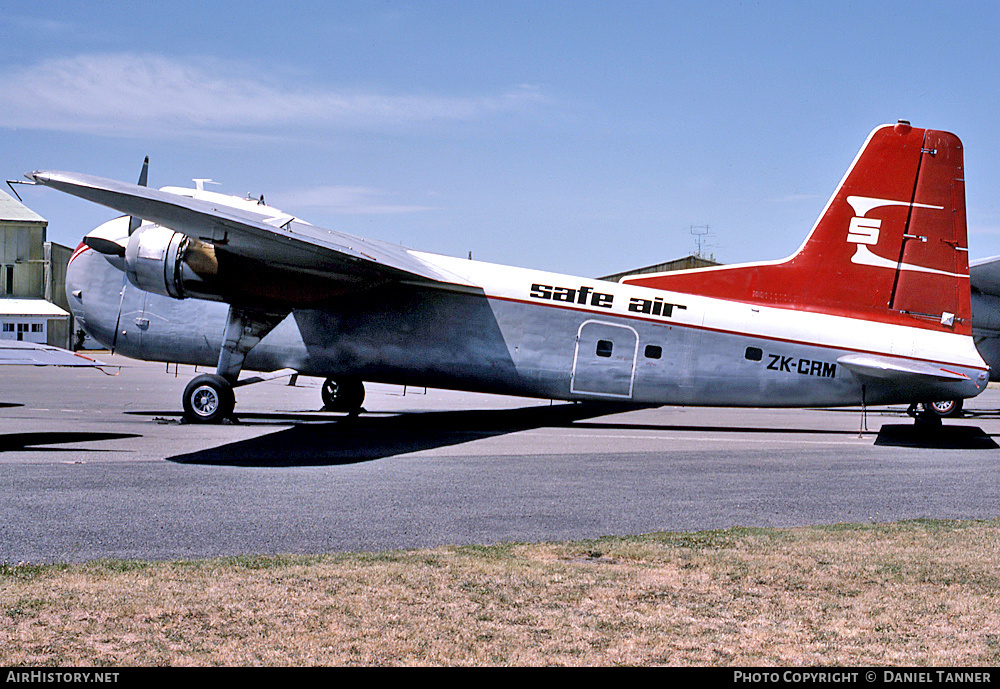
162, 261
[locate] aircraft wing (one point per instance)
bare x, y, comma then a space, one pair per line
984, 275
16, 352
293, 245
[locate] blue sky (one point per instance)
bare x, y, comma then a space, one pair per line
578, 137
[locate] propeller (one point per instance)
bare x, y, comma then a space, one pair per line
114, 247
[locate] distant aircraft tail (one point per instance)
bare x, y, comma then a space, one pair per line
890, 245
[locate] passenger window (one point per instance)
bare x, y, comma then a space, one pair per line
754, 354
604, 348
654, 351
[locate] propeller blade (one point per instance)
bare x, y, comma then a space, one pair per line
104, 246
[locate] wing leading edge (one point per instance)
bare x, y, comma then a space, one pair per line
244, 240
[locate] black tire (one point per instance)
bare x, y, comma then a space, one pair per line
343, 394
944, 409
208, 398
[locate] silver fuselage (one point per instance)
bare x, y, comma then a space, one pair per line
536, 334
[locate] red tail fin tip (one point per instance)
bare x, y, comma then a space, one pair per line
890, 245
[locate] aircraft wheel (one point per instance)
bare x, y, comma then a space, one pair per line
208, 398
944, 409
346, 394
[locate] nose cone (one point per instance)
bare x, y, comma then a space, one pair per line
94, 286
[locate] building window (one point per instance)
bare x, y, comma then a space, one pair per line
36, 327
8, 327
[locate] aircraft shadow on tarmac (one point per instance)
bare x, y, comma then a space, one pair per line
351, 440
41, 441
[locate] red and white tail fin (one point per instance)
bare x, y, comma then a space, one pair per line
890, 245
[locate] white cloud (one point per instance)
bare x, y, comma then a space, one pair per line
344, 200
150, 95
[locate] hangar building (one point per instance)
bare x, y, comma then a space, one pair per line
686, 263
33, 303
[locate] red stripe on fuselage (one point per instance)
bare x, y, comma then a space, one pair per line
80, 248
769, 338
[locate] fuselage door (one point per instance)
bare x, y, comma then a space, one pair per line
132, 321
604, 360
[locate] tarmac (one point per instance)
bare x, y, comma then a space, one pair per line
94, 465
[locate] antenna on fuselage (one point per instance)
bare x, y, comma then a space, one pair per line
200, 182
134, 222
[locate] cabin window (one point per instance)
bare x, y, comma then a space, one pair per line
754, 354
604, 348
653, 351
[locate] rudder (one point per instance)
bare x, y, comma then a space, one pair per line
889, 246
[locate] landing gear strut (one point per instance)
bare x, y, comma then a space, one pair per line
209, 398
343, 394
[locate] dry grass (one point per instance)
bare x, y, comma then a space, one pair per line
912, 593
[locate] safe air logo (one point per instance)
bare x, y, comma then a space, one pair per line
588, 296
864, 232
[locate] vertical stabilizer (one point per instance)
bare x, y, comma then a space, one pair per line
890, 245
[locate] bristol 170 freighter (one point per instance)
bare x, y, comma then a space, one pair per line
874, 308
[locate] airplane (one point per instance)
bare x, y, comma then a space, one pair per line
873, 308
984, 277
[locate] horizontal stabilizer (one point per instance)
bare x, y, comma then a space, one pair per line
890, 368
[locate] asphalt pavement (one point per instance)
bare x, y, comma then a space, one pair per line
94, 465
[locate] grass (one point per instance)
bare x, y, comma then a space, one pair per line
908, 593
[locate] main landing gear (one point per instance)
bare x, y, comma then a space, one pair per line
343, 394
209, 398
